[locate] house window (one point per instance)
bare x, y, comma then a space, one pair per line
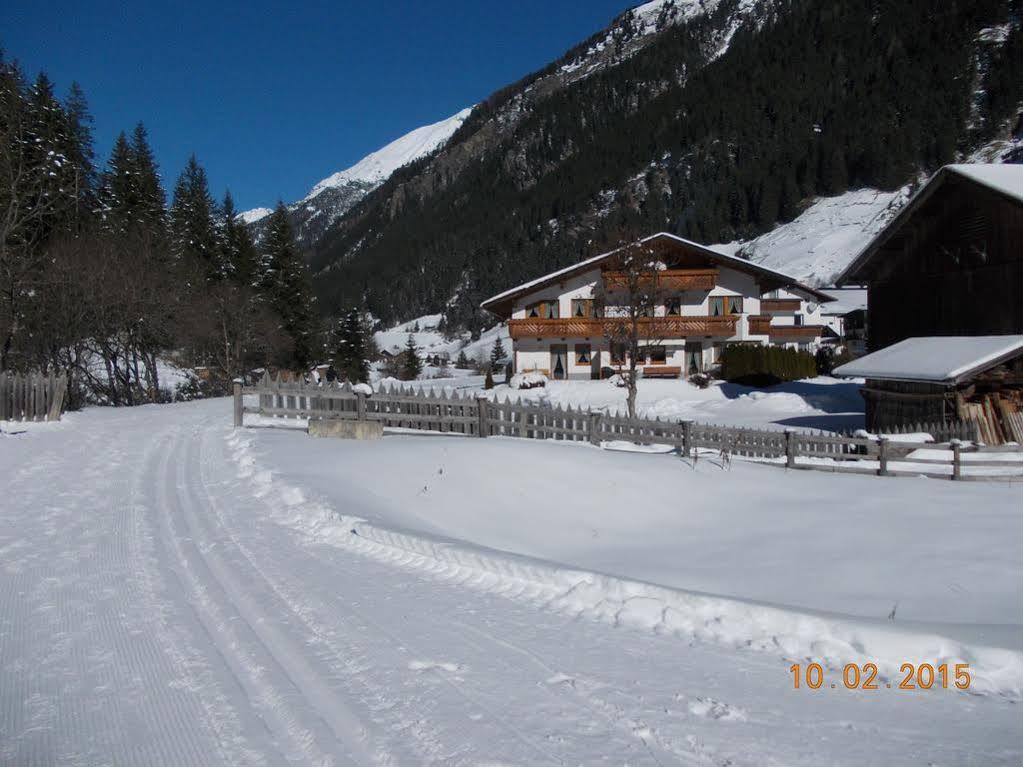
673, 307
544, 310
617, 353
658, 355
582, 354
722, 305
582, 307
797, 319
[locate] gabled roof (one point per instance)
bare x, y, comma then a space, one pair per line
845, 300
502, 302
1005, 179
934, 359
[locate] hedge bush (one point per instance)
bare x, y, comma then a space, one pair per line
757, 365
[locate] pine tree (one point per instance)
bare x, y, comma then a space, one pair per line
193, 229
131, 195
411, 365
497, 353
284, 285
151, 201
462, 362
81, 151
350, 357
239, 259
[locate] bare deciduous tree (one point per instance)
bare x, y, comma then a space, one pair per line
628, 299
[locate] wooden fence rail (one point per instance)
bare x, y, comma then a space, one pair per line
31, 396
408, 408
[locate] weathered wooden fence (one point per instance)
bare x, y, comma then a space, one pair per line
31, 396
405, 407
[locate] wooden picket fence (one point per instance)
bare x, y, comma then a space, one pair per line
31, 396
405, 407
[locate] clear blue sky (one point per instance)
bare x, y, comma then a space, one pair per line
273, 97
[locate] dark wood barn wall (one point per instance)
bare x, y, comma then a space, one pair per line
954, 268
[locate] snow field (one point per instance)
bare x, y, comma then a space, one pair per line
831, 639
156, 608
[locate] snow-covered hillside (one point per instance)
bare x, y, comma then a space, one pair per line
430, 341
635, 29
330, 198
825, 238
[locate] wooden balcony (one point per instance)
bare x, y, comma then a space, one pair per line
797, 332
768, 305
668, 279
650, 327
760, 325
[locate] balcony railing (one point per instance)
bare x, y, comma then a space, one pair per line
779, 305
761, 326
649, 327
667, 279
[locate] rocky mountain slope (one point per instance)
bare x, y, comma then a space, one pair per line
719, 120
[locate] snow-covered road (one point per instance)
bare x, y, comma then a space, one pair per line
153, 610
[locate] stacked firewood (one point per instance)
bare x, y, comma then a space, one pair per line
998, 415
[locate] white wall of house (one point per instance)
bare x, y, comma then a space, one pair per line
578, 286
532, 354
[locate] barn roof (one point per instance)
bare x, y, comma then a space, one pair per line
1005, 179
502, 302
934, 359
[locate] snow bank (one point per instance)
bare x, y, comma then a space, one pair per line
527, 381
833, 640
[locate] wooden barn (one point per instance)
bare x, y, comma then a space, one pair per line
942, 380
951, 262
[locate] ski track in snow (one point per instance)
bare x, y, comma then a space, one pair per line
162, 604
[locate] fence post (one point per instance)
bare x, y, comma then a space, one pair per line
790, 450
595, 419
238, 411
957, 461
360, 406
484, 417
687, 438
882, 455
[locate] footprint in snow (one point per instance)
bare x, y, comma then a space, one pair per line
715, 709
432, 665
560, 678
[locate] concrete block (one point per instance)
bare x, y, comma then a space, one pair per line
345, 429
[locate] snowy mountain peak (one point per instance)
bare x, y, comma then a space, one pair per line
377, 166
335, 195
254, 215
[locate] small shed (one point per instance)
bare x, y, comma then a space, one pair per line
944, 379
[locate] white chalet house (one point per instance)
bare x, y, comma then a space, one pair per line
710, 299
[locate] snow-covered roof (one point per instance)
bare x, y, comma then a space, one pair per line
1004, 178
937, 359
739, 263
846, 300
